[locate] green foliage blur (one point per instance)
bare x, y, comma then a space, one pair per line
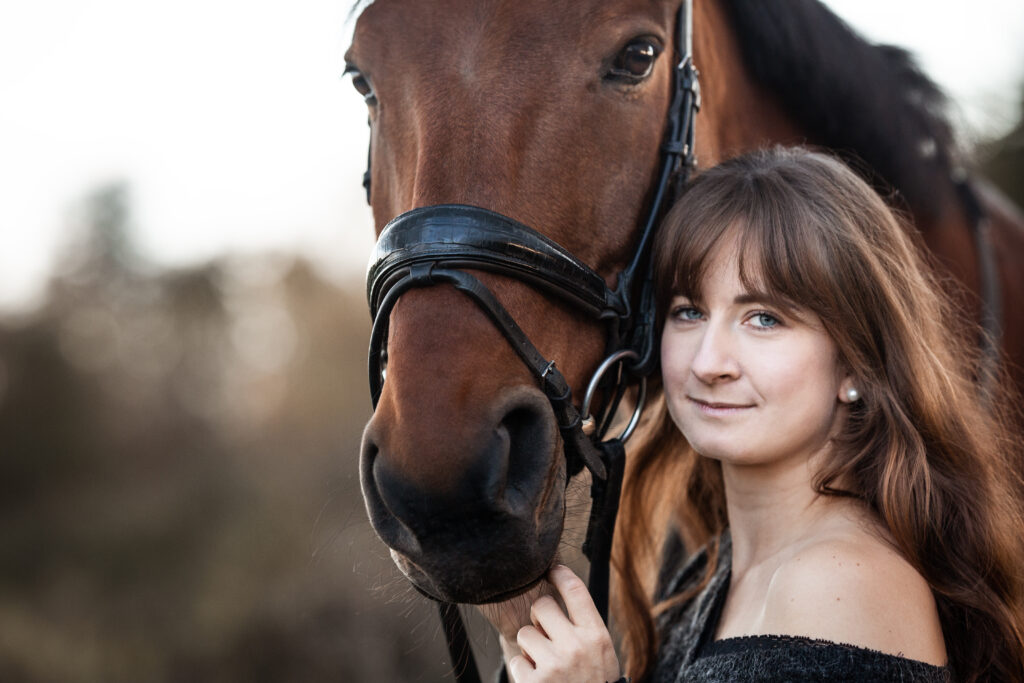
179, 496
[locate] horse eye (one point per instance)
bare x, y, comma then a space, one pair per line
636, 61
362, 85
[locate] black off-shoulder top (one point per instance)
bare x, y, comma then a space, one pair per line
688, 653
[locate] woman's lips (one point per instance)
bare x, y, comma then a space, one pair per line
718, 407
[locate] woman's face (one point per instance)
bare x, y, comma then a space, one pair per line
745, 381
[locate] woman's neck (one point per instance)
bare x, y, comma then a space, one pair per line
774, 508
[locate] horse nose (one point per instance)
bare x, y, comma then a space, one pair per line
492, 483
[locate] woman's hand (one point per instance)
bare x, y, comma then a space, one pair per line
575, 649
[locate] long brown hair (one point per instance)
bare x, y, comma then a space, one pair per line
932, 456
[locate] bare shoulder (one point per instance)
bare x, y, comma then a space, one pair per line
855, 589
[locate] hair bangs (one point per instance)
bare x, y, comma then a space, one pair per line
691, 234
783, 257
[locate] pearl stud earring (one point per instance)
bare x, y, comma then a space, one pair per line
852, 395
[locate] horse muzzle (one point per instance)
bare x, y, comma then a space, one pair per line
474, 526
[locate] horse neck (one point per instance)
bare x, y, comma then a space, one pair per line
740, 114
737, 114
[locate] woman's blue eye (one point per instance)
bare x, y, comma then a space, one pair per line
766, 320
686, 313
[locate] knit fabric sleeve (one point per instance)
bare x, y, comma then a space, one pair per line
688, 653
790, 658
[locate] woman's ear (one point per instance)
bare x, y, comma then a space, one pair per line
848, 392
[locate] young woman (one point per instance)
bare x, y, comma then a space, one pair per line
855, 496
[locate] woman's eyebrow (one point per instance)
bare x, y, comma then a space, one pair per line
766, 298
755, 298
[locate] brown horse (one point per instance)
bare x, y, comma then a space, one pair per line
552, 114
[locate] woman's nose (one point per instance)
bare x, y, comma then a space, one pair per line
715, 359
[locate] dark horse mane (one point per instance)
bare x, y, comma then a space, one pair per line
870, 103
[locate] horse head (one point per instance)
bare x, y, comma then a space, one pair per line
552, 119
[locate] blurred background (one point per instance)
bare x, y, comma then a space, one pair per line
183, 333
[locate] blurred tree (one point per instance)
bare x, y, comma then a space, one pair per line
109, 227
101, 247
179, 497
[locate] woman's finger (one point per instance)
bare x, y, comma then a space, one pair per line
576, 597
521, 669
547, 616
560, 648
534, 644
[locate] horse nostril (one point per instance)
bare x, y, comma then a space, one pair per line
526, 435
501, 477
389, 525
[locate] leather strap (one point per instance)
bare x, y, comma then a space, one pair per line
459, 650
601, 529
579, 450
991, 289
462, 236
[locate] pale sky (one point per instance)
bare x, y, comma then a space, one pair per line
231, 122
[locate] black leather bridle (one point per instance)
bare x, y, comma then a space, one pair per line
436, 245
